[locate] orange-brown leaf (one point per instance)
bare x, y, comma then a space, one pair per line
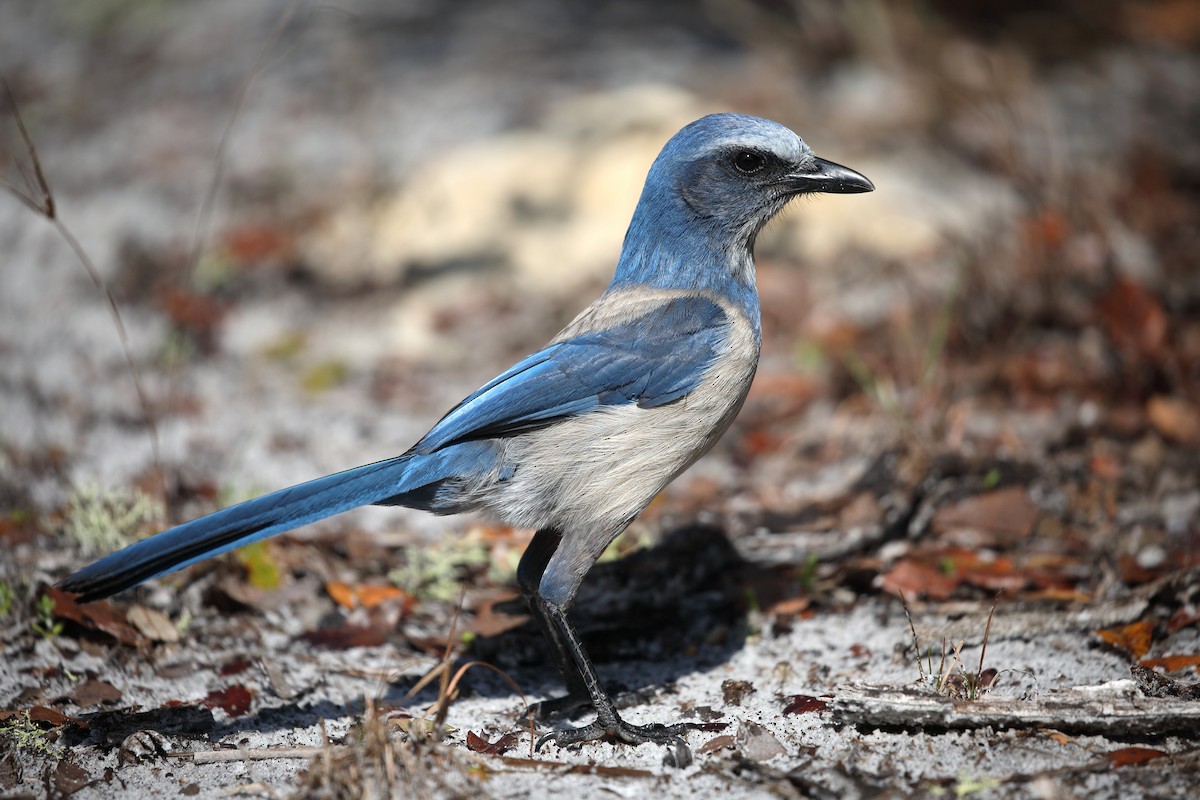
1172, 663
1175, 418
235, 700
1127, 756
1134, 319
1005, 515
914, 579
477, 744
1134, 638
99, 616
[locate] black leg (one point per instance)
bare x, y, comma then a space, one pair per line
529, 575
608, 723
583, 683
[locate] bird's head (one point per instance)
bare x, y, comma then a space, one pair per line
713, 187
736, 172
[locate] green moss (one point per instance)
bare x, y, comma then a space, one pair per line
102, 520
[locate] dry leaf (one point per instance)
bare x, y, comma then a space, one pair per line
1172, 663
915, 579
1127, 756
233, 700
366, 595
69, 778
1059, 737
99, 616
1134, 639
478, 744
152, 624
1004, 516
1134, 319
348, 636
723, 742
804, 704
1175, 418
93, 692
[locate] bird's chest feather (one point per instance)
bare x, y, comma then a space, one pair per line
604, 467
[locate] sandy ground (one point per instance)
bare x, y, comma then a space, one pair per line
402, 200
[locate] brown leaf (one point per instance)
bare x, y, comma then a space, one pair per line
342, 594
1175, 418
70, 778
1184, 617
915, 579
94, 692
367, 595
233, 700
991, 573
1134, 639
723, 742
251, 243
788, 606
1134, 319
152, 624
1172, 663
864, 509
1004, 516
1047, 230
348, 636
41, 714
1059, 737
804, 704
487, 621
1175, 22
99, 616
478, 744
1127, 756
235, 667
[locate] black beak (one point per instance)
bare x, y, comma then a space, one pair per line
830, 178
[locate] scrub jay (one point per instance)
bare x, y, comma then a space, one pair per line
577, 439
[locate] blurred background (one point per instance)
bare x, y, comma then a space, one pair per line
324, 224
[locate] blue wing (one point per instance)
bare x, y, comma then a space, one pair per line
651, 360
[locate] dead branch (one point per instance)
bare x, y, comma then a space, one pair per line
1115, 710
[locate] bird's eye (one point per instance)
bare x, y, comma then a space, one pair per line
748, 161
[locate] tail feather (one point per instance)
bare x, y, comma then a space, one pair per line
240, 525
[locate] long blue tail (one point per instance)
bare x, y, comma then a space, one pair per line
382, 482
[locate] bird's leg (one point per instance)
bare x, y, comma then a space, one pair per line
608, 723
583, 684
529, 575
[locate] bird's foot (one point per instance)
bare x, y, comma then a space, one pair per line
619, 730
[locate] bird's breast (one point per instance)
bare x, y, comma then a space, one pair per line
602, 468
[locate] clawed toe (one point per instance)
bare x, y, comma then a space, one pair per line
621, 731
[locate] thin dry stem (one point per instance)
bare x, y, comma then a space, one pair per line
39, 197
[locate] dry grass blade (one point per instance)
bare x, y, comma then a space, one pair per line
38, 196
448, 684
987, 632
377, 762
916, 640
36, 191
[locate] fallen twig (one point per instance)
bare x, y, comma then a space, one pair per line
1115, 710
265, 754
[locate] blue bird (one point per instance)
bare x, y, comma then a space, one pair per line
577, 439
